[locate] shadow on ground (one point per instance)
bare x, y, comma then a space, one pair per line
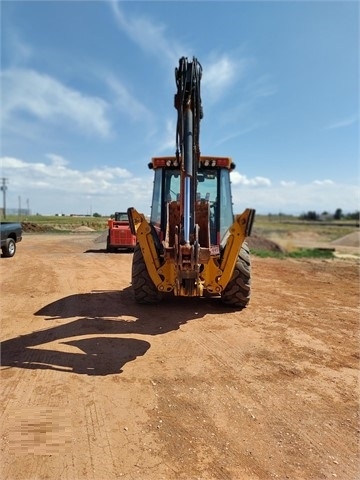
95, 348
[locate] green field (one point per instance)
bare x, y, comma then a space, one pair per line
265, 225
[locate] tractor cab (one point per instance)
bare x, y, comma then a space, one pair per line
212, 194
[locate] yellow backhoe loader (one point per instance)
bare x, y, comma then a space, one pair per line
193, 245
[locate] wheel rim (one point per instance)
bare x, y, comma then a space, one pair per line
12, 248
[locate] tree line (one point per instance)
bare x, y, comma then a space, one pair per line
337, 215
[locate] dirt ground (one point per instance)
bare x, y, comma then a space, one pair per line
96, 387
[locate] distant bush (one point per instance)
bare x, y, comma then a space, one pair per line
353, 216
338, 214
310, 215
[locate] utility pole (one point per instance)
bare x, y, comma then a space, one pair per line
3, 188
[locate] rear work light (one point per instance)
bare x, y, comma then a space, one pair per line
158, 162
209, 163
224, 162
172, 162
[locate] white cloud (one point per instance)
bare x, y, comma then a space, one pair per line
317, 196
127, 103
241, 115
167, 142
238, 132
261, 87
285, 183
221, 74
345, 122
148, 35
239, 179
54, 186
12, 163
48, 100
21, 52
60, 176
323, 182
57, 160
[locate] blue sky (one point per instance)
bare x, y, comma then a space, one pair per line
87, 99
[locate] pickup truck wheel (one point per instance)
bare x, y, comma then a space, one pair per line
143, 287
237, 291
9, 248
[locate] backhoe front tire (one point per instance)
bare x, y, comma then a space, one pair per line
237, 291
145, 291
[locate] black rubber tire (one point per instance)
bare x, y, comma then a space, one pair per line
9, 249
237, 291
109, 248
145, 291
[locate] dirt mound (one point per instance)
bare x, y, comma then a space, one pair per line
257, 242
350, 240
30, 227
83, 228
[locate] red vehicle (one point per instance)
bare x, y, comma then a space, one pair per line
119, 235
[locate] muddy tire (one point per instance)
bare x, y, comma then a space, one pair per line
237, 292
143, 287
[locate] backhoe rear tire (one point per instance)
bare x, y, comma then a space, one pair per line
145, 291
237, 291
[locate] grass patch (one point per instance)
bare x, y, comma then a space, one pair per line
320, 253
314, 253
